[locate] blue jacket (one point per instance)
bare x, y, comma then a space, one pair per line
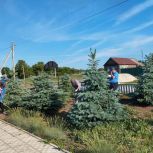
115, 79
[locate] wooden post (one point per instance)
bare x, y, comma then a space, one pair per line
55, 72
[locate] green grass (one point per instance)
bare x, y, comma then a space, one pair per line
117, 137
35, 123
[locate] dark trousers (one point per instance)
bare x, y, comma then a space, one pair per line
2, 107
113, 86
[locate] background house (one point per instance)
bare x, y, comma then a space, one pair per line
121, 63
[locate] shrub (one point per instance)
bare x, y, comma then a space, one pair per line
96, 103
65, 83
43, 96
14, 94
145, 85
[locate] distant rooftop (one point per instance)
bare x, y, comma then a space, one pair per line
124, 61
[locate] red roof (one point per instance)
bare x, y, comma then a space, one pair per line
123, 61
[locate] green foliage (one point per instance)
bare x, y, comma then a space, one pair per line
44, 96
116, 137
34, 122
65, 84
38, 68
96, 104
120, 137
145, 85
7, 71
22, 67
67, 70
14, 94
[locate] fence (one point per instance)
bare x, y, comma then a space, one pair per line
127, 88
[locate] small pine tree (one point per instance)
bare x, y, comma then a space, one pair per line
43, 97
96, 104
145, 84
14, 94
65, 84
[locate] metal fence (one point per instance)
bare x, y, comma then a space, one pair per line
123, 88
127, 88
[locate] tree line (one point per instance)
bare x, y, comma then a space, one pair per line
22, 68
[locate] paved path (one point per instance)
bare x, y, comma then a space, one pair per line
14, 140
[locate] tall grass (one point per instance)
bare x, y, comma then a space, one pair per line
36, 123
118, 137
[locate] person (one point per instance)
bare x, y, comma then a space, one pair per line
77, 86
114, 75
3, 82
1, 97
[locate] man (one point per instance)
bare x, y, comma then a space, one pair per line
113, 79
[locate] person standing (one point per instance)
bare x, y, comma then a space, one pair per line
3, 82
114, 75
1, 97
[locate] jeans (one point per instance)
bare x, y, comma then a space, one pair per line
113, 86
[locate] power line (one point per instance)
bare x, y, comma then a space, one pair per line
104, 10
93, 15
4, 48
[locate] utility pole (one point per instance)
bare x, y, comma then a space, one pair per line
13, 63
142, 55
55, 72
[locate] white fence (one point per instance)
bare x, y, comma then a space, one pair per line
127, 88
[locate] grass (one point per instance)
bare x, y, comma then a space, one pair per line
118, 137
35, 123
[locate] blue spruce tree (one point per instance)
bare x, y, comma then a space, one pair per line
145, 84
96, 103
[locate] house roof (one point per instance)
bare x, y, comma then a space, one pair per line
123, 61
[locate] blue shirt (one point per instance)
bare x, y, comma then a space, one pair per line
115, 79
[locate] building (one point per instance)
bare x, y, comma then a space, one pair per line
121, 63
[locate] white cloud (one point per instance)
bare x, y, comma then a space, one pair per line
134, 11
141, 27
138, 42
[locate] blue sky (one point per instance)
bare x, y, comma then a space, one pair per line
65, 30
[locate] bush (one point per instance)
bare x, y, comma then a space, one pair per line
65, 84
96, 103
43, 96
145, 85
14, 94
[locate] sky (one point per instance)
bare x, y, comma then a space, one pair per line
65, 30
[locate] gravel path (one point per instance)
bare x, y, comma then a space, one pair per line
14, 140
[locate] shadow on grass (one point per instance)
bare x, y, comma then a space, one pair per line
131, 99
